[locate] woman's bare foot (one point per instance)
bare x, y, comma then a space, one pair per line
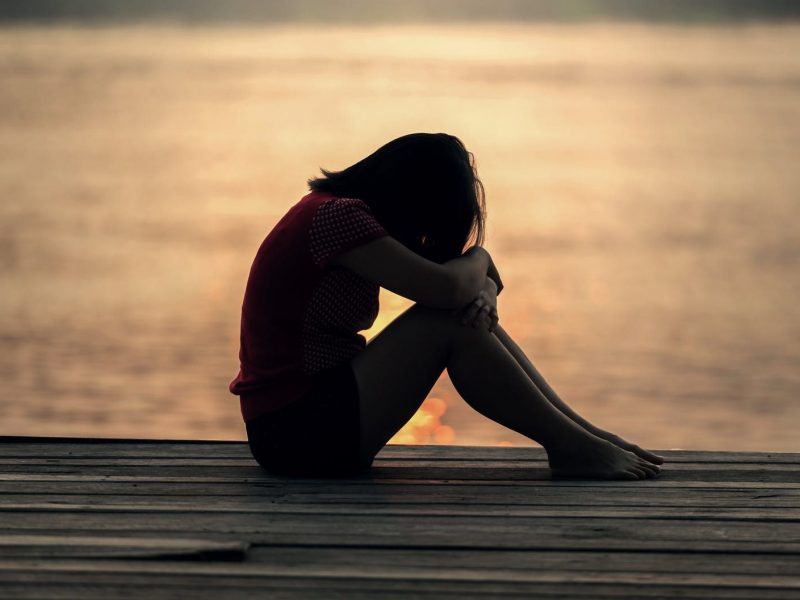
626, 445
595, 458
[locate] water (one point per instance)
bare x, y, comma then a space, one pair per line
642, 190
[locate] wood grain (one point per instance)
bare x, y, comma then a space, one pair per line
162, 519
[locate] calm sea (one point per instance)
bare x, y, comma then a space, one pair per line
643, 190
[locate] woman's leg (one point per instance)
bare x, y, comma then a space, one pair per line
556, 401
399, 367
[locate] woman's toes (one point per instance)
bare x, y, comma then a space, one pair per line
639, 472
645, 454
650, 469
651, 473
649, 456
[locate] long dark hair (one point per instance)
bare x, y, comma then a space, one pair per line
423, 188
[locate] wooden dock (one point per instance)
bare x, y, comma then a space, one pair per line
137, 519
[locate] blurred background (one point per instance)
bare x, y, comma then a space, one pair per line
640, 160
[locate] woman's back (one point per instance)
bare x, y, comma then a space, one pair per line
301, 315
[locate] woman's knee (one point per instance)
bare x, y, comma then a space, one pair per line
447, 322
435, 319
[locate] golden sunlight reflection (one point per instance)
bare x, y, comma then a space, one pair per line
392, 306
641, 181
426, 426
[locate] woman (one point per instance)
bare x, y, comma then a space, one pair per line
316, 399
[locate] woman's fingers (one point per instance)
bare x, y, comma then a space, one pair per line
480, 313
485, 315
485, 321
495, 319
471, 312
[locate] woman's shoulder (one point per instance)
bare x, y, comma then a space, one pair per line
327, 198
312, 201
304, 209
339, 224
321, 210
325, 206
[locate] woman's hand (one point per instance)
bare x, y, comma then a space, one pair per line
482, 311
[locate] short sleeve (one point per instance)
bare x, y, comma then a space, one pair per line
339, 225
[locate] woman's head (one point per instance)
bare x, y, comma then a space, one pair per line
422, 187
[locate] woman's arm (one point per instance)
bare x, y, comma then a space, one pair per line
393, 266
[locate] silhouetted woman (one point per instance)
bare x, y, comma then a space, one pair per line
318, 400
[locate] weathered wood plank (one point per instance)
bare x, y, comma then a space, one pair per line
497, 474
75, 585
153, 548
483, 532
414, 491
432, 559
99, 448
36, 462
410, 477
247, 467
390, 559
479, 497
242, 571
787, 515
523, 453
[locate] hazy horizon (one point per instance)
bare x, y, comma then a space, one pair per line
260, 12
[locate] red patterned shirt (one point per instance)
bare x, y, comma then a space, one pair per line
301, 315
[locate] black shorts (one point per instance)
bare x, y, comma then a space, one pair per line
315, 436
